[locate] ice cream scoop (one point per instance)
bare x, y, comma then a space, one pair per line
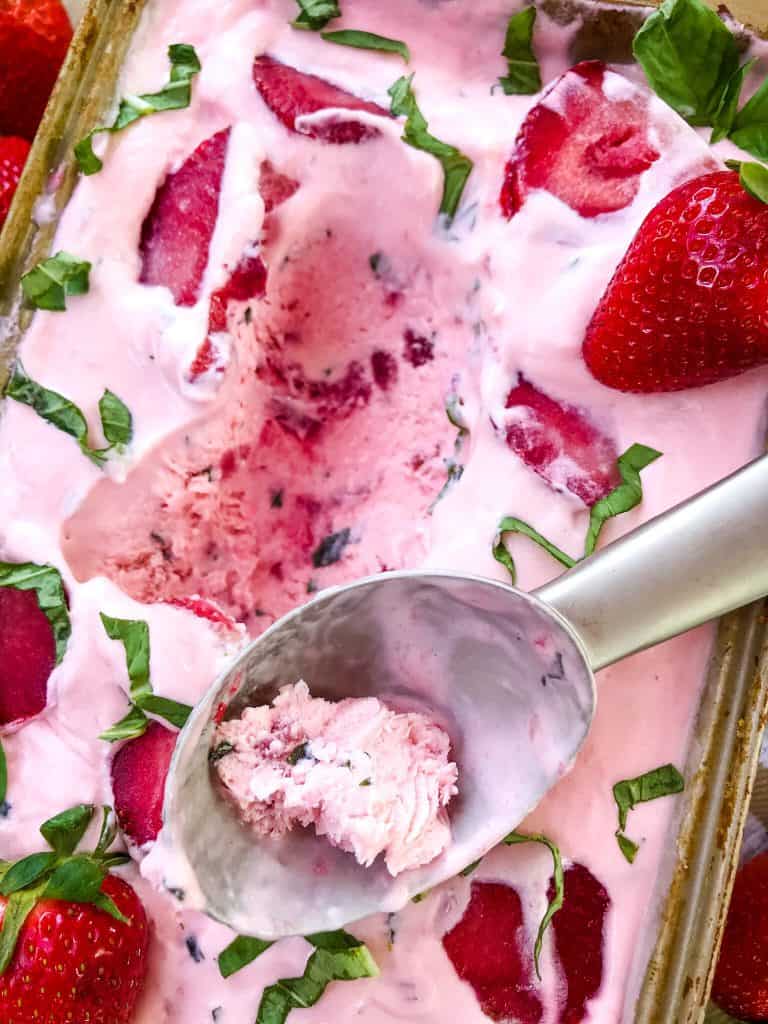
508, 674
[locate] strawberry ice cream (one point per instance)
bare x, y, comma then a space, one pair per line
327, 378
372, 780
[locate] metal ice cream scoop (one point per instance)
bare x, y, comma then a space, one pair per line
509, 674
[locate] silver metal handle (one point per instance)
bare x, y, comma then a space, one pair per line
701, 559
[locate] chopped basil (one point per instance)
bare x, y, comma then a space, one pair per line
511, 524
331, 548
220, 751
689, 57
661, 782
298, 753
67, 417
456, 166
556, 902
626, 496
723, 120
470, 868
134, 636
623, 498
753, 177
56, 874
48, 283
368, 41
750, 126
276, 501
47, 584
315, 14
338, 956
116, 420
239, 953
523, 76
176, 95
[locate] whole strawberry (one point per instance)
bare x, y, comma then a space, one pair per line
686, 306
13, 156
741, 978
73, 938
34, 37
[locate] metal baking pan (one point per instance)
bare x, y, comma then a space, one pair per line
723, 757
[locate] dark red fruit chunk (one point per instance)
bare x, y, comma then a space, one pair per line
686, 306
741, 977
290, 94
585, 147
27, 655
275, 187
579, 940
34, 38
488, 950
13, 156
384, 369
418, 349
176, 234
139, 770
560, 443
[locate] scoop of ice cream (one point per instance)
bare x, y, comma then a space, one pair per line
370, 779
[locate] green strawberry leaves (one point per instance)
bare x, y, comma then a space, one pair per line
60, 412
626, 496
176, 95
134, 636
47, 584
59, 873
368, 41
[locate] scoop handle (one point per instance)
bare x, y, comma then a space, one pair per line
697, 561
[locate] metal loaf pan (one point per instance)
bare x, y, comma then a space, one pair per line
722, 760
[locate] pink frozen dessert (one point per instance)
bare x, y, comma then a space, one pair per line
347, 289
374, 781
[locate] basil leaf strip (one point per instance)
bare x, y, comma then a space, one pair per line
511, 524
689, 56
48, 283
368, 41
628, 793
315, 14
116, 420
64, 831
171, 710
176, 95
556, 902
47, 584
134, 724
134, 636
338, 956
456, 166
239, 953
523, 76
623, 498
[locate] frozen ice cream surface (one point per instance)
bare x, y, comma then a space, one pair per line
374, 781
327, 380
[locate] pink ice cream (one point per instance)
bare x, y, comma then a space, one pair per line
291, 433
374, 781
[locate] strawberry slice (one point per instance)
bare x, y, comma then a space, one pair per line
487, 951
13, 156
27, 655
686, 305
741, 977
177, 231
579, 937
34, 38
560, 443
247, 281
139, 770
586, 142
291, 94
275, 187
